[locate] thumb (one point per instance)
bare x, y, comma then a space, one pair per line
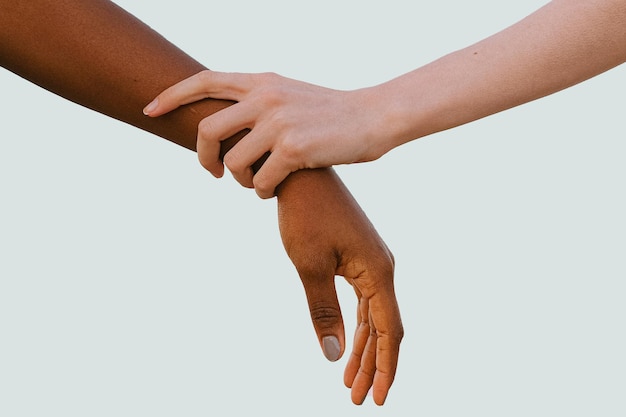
325, 312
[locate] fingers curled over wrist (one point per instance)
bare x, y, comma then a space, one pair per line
270, 175
209, 155
239, 167
263, 187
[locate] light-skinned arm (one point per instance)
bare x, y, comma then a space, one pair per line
96, 54
307, 126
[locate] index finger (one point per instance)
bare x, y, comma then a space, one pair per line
205, 84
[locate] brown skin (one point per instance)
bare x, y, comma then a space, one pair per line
96, 54
326, 233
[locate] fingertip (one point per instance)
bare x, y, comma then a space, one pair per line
348, 379
264, 194
381, 386
218, 171
357, 398
214, 166
260, 186
269, 176
331, 348
244, 180
264, 188
149, 110
380, 398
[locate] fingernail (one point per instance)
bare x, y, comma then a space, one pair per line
331, 348
151, 107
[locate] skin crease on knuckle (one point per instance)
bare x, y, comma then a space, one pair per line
293, 149
364, 271
262, 186
268, 177
395, 335
232, 160
240, 170
269, 92
206, 78
268, 78
324, 315
207, 160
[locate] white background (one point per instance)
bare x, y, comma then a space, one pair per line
132, 283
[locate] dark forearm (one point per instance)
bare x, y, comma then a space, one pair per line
94, 53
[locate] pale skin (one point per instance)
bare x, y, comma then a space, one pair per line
94, 53
307, 126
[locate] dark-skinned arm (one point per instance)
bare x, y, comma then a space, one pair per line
94, 53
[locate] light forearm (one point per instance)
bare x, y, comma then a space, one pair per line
562, 44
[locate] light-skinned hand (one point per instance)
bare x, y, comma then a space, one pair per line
301, 124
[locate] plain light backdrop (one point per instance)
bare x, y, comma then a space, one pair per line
132, 283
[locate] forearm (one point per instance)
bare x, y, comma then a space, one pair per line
97, 55
561, 44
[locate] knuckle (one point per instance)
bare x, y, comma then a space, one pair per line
376, 274
267, 78
270, 91
293, 150
386, 261
305, 267
233, 161
324, 315
395, 335
205, 76
383, 266
311, 260
205, 127
399, 334
263, 182
270, 97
